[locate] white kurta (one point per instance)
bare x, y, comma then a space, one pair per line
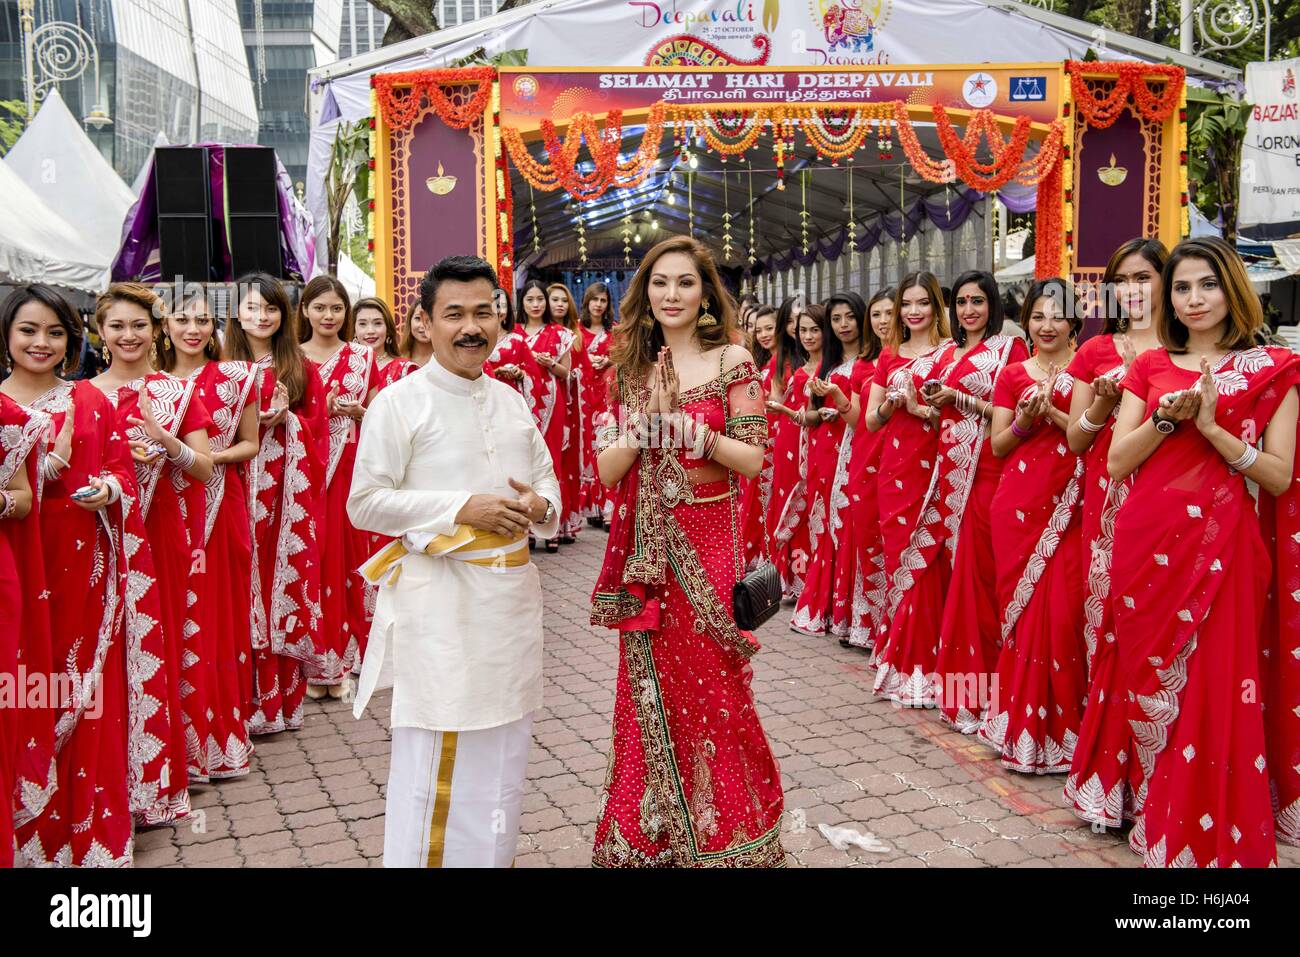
459, 644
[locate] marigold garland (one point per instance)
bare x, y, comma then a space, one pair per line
1132, 89
401, 95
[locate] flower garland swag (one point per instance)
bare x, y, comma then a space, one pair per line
1132, 88
960, 162
505, 199
401, 95
561, 168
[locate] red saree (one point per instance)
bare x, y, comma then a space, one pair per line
286, 612
867, 609
1037, 695
392, 370
596, 500
27, 770
512, 350
691, 779
346, 606
553, 340
112, 725
787, 507
578, 480
817, 612
908, 661
1189, 577
1281, 657
908, 445
167, 501
225, 585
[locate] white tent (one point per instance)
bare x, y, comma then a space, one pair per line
354, 278
57, 160
38, 245
143, 176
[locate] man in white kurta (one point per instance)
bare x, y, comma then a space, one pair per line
451, 464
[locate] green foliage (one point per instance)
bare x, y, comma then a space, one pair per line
13, 120
1216, 128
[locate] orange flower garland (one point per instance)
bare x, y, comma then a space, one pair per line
1007, 156
1132, 88
401, 95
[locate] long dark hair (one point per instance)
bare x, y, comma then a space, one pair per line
508, 323
1154, 252
761, 355
596, 289
314, 290
1245, 312
987, 285
1060, 291
832, 347
540, 287
789, 350
638, 337
286, 354
47, 296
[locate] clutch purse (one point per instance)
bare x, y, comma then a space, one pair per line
756, 597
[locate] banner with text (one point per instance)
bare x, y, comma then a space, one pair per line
1270, 154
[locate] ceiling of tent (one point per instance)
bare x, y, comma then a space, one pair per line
876, 191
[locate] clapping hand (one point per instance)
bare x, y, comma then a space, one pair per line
1208, 392
279, 408
1181, 405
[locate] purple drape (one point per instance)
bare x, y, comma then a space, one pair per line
946, 215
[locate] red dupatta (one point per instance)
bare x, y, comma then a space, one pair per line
394, 369
1178, 560
512, 350
351, 371
23, 435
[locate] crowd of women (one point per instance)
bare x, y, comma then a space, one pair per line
1082, 553
1085, 554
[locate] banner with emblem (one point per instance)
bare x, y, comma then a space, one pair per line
1270, 154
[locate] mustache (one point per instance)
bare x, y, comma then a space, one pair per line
470, 341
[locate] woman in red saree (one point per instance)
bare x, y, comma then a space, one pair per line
27, 731
1190, 570
1133, 290
1035, 701
691, 779
167, 431
113, 738
512, 361
943, 630
551, 344
597, 319
834, 396
788, 515
909, 441
578, 479
222, 581
755, 493
348, 379
283, 479
867, 583
376, 331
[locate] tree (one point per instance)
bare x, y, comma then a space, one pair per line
1214, 138
348, 175
415, 18
13, 120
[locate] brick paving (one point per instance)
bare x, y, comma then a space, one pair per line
934, 797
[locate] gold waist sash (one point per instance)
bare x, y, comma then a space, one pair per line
467, 544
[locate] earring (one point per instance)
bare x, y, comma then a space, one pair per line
648, 319
153, 354
108, 359
167, 342
707, 320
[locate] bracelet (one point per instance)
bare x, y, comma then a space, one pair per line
1022, 433
184, 458
1088, 425
64, 463
114, 489
711, 443
9, 503
1245, 460
50, 470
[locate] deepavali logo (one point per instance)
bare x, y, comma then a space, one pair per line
525, 87
651, 14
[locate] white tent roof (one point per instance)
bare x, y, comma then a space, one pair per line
38, 245
354, 278
57, 160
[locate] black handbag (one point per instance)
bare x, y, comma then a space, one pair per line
756, 597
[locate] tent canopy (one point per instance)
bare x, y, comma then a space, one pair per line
58, 162
38, 245
901, 33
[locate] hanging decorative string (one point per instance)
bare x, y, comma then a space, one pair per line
690, 204
259, 45
851, 226
803, 212
627, 239
582, 238
726, 221
532, 213
753, 247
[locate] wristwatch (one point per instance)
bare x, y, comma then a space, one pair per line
1163, 426
550, 510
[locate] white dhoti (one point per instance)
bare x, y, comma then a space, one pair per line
454, 797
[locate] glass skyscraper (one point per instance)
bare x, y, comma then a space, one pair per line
362, 29
171, 66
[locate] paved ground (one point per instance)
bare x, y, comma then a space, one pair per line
315, 797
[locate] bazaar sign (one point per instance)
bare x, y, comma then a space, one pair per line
529, 96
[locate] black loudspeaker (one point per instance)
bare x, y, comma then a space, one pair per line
253, 211
183, 199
